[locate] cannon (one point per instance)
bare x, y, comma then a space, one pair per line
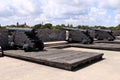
102, 34
1, 52
116, 33
78, 35
4, 38
24, 38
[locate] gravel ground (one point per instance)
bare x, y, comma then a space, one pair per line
107, 69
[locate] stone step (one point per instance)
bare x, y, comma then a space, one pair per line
55, 43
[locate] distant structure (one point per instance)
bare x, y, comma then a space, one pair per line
17, 24
24, 25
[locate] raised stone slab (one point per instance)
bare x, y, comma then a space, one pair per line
64, 59
104, 41
102, 46
1, 52
55, 43
0, 55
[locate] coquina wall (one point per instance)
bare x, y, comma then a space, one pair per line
44, 35
51, 35
3, 38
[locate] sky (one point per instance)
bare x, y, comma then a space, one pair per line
76, 12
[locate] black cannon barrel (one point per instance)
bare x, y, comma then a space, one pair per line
79, 35
103, 30
116, 33
25, 38
103, 34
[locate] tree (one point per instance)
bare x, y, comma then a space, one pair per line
38, 26
101, 27
83, 27
63, 25
58, 27
47, 26
118, 27
112, 28
0, 26
69, 26
10, 26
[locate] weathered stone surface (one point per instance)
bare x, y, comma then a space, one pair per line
51, 35
1, 52
102, 34
79, 36
117, 37
116, 33
104, 41
55, 43
64, 59
3, 38
101, 46
0, 55
104, 46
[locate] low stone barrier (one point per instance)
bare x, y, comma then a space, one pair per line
51, 35
3, 38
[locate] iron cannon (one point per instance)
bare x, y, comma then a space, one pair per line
24, 38
78, 35
102, 34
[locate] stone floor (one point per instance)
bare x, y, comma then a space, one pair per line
107, 69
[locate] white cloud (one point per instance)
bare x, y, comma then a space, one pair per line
16, 8
88, 12
65, 8
71, 21
96, 16
110, 4
117, 19
41, 18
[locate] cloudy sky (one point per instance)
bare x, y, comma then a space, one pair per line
76, 12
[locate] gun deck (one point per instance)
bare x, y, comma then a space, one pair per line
65, 59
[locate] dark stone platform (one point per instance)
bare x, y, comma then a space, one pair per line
104, 41
64, 59
101, 46
0, 55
